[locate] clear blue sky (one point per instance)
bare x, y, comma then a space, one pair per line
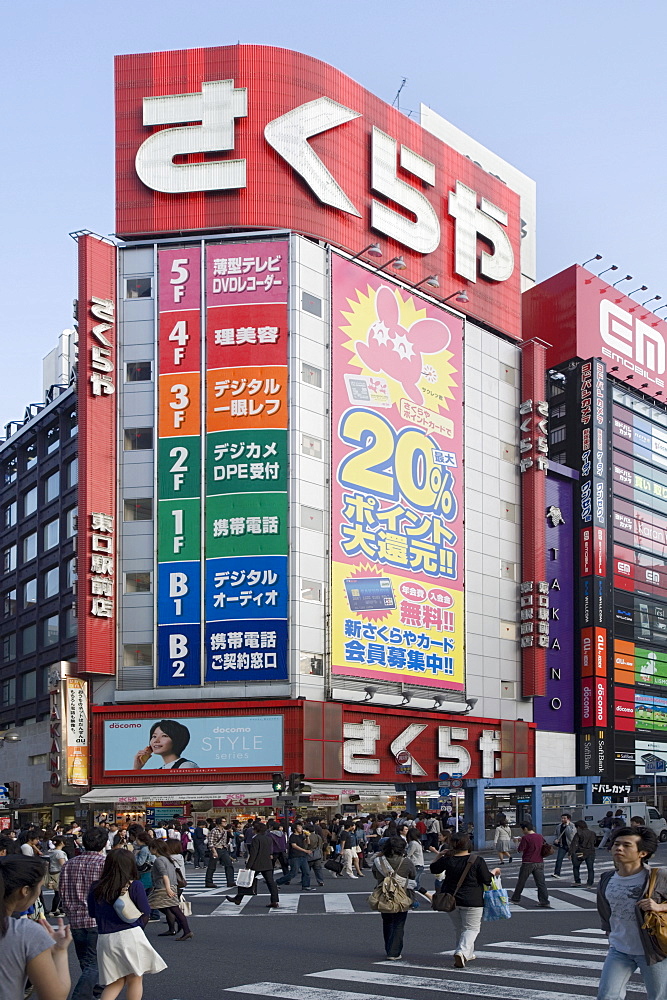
571, 93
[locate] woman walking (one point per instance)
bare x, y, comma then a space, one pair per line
393, 859
582, 849
465, 876
415, 852
57, 859
503, 841
29, 949
124, 955
164, 894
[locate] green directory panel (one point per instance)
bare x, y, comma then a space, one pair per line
179, 468
179, 530
246, 461
244, 524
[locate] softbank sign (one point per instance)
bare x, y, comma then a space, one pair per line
631, 343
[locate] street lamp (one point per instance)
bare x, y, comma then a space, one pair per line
10, 736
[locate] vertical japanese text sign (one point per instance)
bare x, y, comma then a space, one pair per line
246, 462
397, 475
179, 467
96, 405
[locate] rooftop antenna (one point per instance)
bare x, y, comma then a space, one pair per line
396, 102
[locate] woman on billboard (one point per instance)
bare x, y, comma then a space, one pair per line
168, 740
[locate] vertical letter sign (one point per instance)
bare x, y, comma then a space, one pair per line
397, 493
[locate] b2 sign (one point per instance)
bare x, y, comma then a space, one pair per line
184, 745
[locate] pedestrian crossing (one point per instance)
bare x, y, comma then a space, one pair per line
496, 964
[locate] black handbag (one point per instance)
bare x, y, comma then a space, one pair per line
335, 865
445, 902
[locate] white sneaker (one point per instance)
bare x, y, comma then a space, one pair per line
353, 876
556, 876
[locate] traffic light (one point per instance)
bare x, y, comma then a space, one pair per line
278, 782
297, 786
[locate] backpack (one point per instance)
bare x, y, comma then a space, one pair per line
390, 895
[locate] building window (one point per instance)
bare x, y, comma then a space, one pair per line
312, 518
73, 423
10, 470
138, 438
30, 547
29, 686
9, 515
313, 591
8, 603
557, 435
30, 592
28, 640
558, 412
137, 583
9, 647
138, 654
52, 439
38, 759
30, 454
51, 630
71, 572
311, 446
311, 303
9, 559
73, 472
51, 534
138, 288
30, 502
8, 692
71, 625
311, 375
138, 371
51, 487
70, 522
560, 458
51, 582
311, 663
138, 509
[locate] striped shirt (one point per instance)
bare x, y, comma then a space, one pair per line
76, 877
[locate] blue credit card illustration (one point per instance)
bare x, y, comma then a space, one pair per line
371, 593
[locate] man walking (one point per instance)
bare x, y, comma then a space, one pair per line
606, 824
532, 863
622, 904
347, 842
299, 854
76, 877
564, 836
218, 846
260, 861
199, 842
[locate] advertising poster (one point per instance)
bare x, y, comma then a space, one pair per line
185, 745
76, 722
397, 484
246, 537
179, 465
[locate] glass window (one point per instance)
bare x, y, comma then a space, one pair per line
30, 547
311, 663
311, 303
8, 692
30, 456
30, 592
73, 472
139, 654
10, 470
51, 582
311, 446
73, 423
9, 647
51, 487
71, 572
138, 371
558, 435
51, 534
29, 685
52, 439
9, 603
51, 630
70, 521
9, 559
71, 625
137, 583
138, 288
138, 438
312, 518
28, 639
311, 590
138, 509
311, 375
30, 502
9, 515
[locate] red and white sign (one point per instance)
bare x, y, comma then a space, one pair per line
275, 139
96, 404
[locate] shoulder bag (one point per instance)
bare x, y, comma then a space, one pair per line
655, 923
445, 902
546, 849
125, 908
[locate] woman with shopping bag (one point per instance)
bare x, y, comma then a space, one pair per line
464, 877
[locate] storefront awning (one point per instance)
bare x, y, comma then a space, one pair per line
173, 793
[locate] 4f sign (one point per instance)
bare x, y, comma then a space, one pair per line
417, 226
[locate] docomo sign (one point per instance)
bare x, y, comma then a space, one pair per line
301, 146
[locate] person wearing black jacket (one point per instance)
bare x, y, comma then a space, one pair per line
467, 916
260, 861
582, 848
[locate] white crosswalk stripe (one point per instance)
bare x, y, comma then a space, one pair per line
498, 973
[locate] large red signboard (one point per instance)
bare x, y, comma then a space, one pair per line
257, 137
96, 402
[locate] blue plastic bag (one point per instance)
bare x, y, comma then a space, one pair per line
496, 902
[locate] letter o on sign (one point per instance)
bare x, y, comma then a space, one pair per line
555, 703
55, 780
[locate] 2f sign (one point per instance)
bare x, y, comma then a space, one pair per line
631, 342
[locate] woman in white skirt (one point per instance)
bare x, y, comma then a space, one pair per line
503, 841
124, 954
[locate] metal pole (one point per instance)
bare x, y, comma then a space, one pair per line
456, 807
655, 789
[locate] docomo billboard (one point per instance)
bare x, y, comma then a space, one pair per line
397, 484
300, 146
96, 406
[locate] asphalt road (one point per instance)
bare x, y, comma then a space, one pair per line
327, 945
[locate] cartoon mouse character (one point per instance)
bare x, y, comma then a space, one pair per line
397, 351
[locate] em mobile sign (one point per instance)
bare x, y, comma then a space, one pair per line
397, 473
